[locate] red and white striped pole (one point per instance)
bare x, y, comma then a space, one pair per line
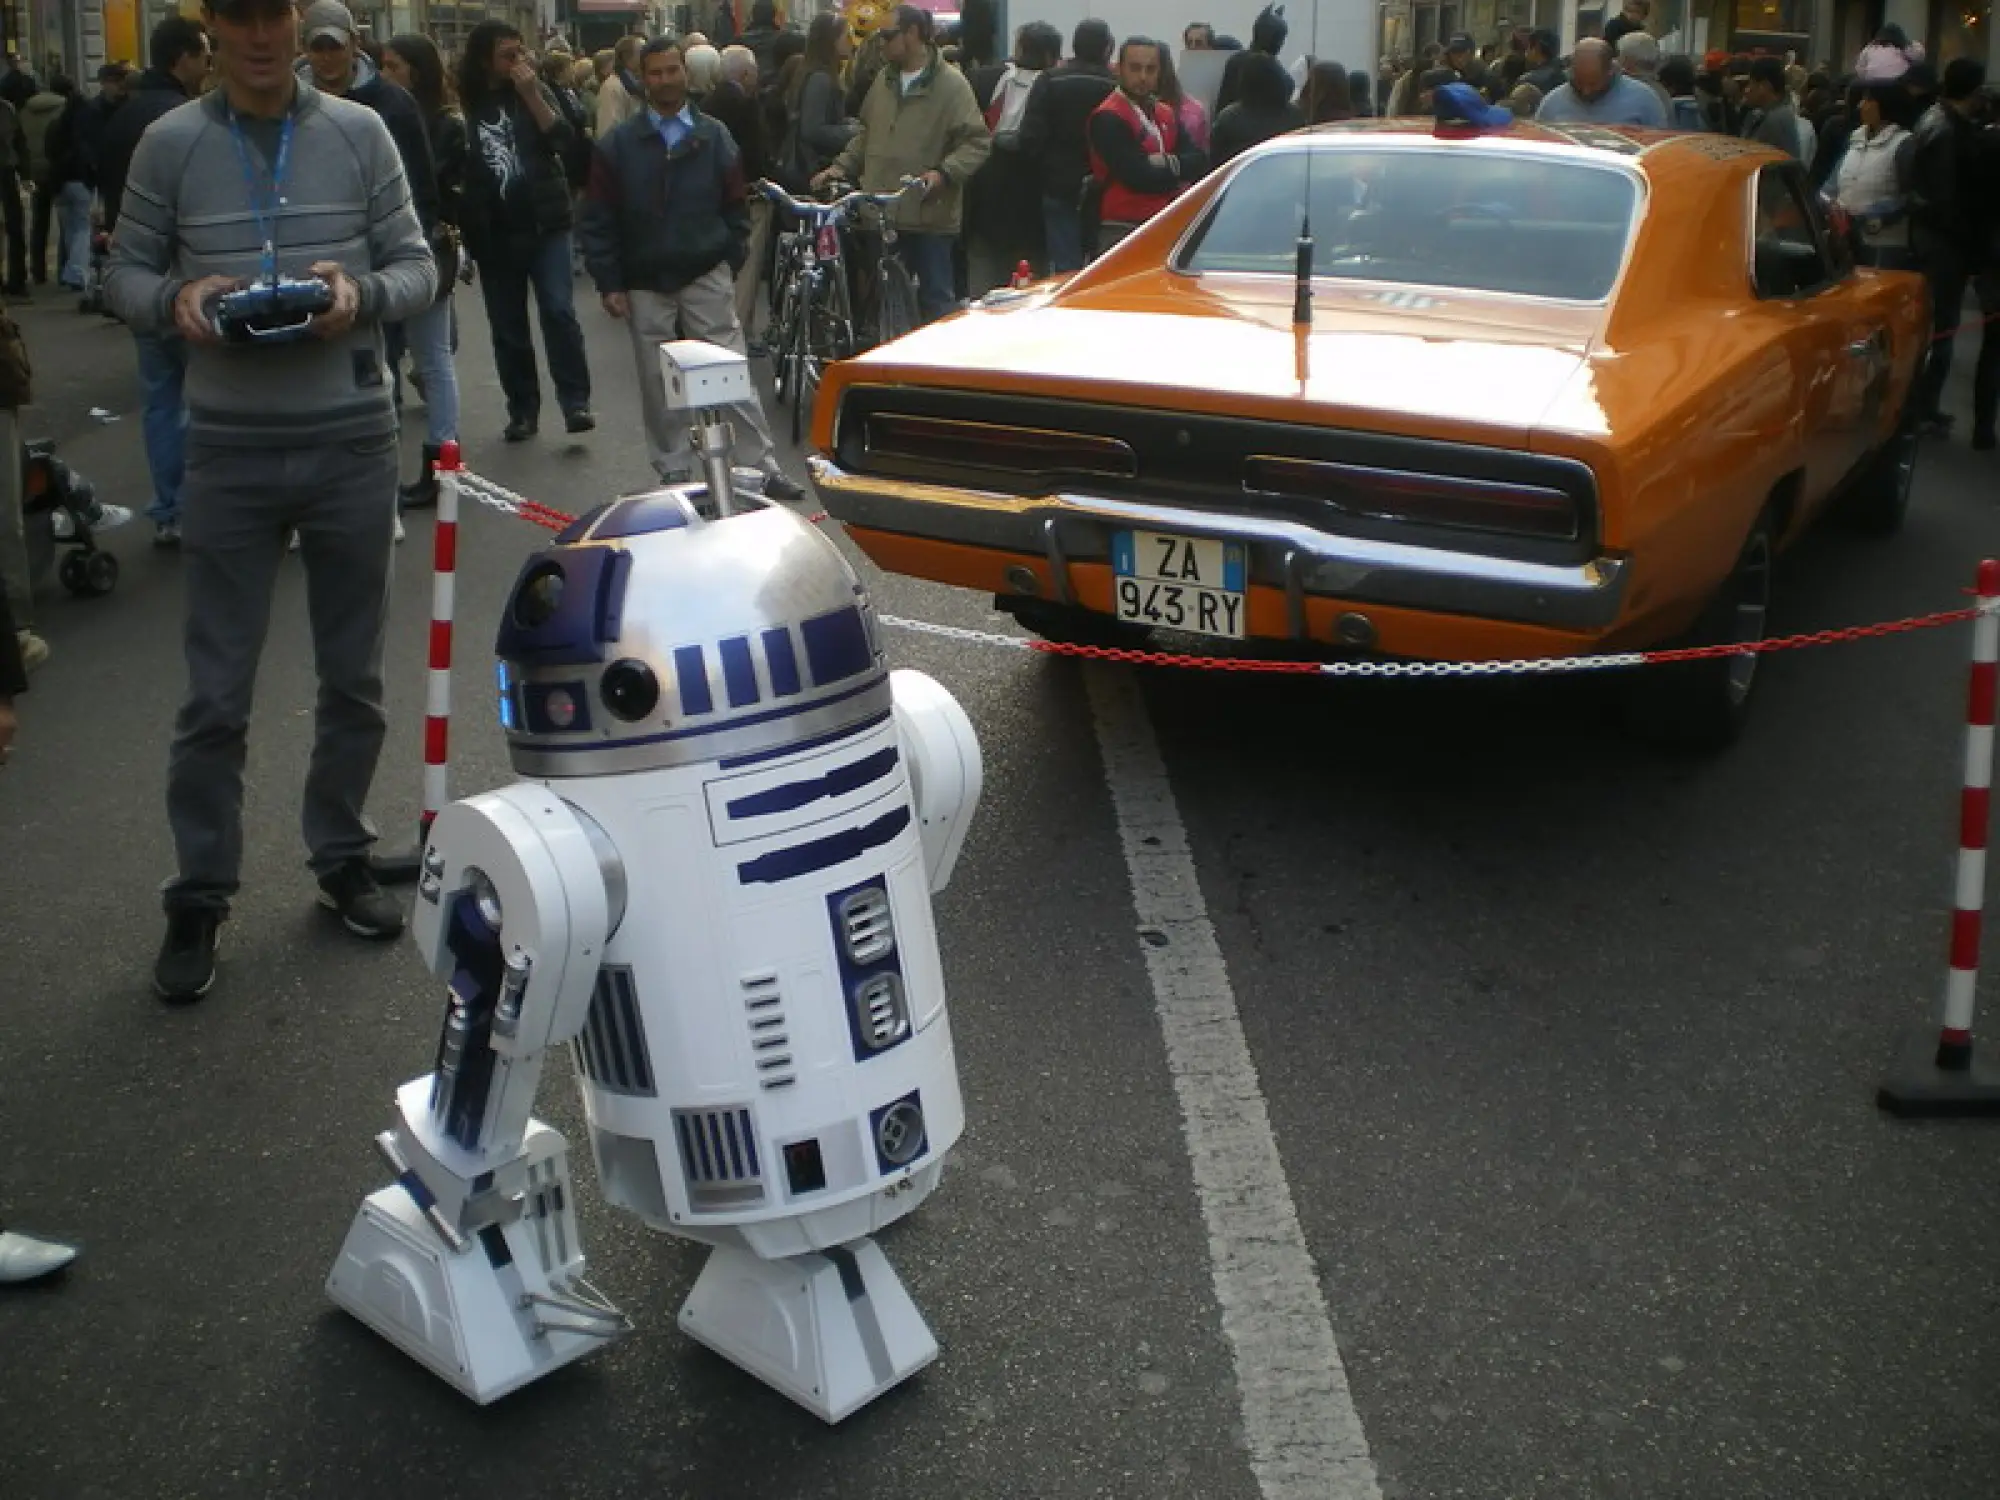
1950, 1083
437, 690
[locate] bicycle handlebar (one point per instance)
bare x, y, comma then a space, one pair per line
840, 207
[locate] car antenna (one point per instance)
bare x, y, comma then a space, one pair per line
1302, 266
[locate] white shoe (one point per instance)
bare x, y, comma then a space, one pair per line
399, 525
25, 1258
109, 516
293, 544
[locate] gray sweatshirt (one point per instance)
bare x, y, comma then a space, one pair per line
188, 212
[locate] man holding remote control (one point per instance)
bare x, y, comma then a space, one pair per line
261, 185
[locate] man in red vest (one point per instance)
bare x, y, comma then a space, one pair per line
1139, 158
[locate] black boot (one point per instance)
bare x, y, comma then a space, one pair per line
421, 493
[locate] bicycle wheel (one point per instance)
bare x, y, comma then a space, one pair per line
898, 312
783, 337
829, 336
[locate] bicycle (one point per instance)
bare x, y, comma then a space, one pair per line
814, 324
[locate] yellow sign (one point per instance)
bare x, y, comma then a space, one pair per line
121, 32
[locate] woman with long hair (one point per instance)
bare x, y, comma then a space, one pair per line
413, 64
516, 218
1326, 97
817, 127
1190, 111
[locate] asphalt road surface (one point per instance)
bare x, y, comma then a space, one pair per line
1435, 1022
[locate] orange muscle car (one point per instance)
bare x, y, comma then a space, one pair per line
1545, 390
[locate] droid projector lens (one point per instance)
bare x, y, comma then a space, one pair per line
630, 690
539, 597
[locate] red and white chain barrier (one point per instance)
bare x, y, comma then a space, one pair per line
1944, 1081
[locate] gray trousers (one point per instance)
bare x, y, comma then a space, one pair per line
236, 506
703, 309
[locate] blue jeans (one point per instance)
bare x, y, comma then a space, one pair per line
73, 227
928, 258
1063, 224
505, 275
428, 338
162, 370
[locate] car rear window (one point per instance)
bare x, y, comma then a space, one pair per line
1474, 220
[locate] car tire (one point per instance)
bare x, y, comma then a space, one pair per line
1067, 625
1879, 500
1701, 706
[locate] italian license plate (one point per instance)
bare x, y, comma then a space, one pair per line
1179, 582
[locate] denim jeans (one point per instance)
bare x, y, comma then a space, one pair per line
504, 279
162, 372
1063, 224
73, 227
427, 336
928, 258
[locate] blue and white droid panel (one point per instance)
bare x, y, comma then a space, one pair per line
800, 1056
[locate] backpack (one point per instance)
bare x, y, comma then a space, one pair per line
1010, 105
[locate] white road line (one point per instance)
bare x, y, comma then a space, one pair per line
1305, 1437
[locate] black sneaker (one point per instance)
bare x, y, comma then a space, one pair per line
520, 429
780, 486
365, 908
580, 420
186, 966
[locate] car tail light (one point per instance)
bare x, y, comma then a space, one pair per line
1025, 452
1433, 499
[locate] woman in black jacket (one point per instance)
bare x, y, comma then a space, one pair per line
516, 217
1263, 109
412, 62
817, 128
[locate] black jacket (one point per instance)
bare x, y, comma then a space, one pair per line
1055, 125
817, 133
448, 151
1939, 216
501, 216
762, 40
69, 145
655, 220
743, 117
1131, 164
151, 95
413, 140
1242, 126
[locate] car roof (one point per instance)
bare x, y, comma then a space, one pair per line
1652, 152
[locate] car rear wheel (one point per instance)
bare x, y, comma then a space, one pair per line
1066, 625
1880, 498
1702, 705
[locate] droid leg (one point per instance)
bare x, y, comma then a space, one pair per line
832, 1329
470, 1263
483, 1285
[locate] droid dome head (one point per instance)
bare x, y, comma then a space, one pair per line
648, 637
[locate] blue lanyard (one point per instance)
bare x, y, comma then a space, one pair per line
266, 209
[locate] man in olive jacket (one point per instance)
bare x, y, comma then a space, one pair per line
920, 119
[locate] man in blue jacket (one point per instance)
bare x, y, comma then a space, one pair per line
665, 226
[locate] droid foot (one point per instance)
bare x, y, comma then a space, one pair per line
832, 1330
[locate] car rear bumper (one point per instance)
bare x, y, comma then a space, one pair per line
1309, 564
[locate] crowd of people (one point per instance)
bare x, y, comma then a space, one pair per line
271, 139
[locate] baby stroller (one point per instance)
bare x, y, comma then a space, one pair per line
92, 300
62, 510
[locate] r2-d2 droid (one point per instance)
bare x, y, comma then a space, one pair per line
714, 885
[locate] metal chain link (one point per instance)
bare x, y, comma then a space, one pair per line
500, 498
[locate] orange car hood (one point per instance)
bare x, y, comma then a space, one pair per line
1418, 362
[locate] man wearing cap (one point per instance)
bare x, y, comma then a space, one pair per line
1462, 57
264, 178
1598, 94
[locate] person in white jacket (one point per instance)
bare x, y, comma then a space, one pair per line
1872, 181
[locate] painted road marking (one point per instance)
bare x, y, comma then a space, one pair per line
1298, 1416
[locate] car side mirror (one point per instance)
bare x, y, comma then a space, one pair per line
1786, 266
